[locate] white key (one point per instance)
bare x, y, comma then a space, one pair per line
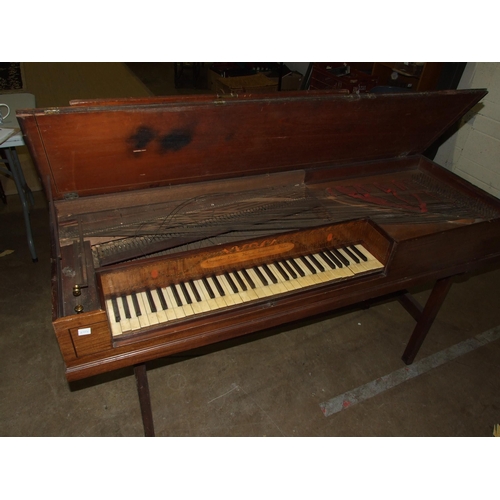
260, 290
152, 317
124, 321
169, 312
308, 279
164, 311
174, 309
332, 274
197, 308
294, 276
186, 306
160, 313
204, 304
228, 300
372, 263
116, 329
134, 320
271, 287
294, 280
279, 287
143, 318
235, 297
355, 267
248, 294
213, 303
343, 271
320, 276
219, 300
333, 271
285, 285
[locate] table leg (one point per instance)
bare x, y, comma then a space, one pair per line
2, 194
141, 378
426, 318
24, 194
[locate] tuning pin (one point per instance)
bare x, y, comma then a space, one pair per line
78, 309
77, 291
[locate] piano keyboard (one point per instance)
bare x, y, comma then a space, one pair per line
129, 313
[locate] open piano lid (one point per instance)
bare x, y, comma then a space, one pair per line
99, 147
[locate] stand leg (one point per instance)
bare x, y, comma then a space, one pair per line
141, 378
426, 318
2, 194
25, 195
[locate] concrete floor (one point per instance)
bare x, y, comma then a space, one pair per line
268, 384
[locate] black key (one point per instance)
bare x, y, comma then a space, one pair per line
125, 306
289, 269
315, 261
268, 271
195, 291
247, 277
116, 311
176, 295
163, 302
240, 281
260, 276
207, 286
185, 293
327, 259
231, 283
338, 263
218, 286
151, 301
135, 302
280, 269
359, 253
340, 257
297, 268
308, 265
350, 254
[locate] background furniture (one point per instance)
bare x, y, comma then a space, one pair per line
412, 76
390, 77
10, 158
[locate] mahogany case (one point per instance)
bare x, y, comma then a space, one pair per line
189, 176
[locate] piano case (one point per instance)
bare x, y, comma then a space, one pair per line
150, 198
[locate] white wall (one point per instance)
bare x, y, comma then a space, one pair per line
474, 151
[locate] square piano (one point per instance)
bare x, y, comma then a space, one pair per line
178, 222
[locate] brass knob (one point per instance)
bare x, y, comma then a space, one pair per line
78, 309
77, 290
